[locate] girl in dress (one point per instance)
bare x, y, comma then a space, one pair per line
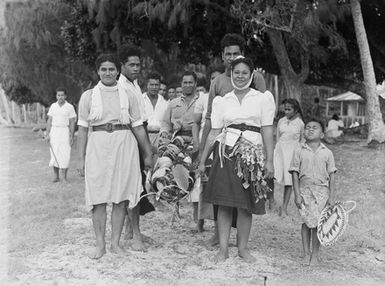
289, 134
238, 172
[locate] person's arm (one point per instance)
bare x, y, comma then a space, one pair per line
144, 145
297, 197
302, 133
268, 142
165, 123
196, 128
332, 188
49, 126
208, 148
82, 146
72, 129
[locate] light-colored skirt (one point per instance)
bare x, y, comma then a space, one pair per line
315, 198
283, 154
112, 169
60, 145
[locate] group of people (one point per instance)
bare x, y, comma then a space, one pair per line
120, 128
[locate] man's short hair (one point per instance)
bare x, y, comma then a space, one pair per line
60, 88
128, 50
318, 121
216, 68
188, 73
233, 40
201, 81
107, 57
153, 75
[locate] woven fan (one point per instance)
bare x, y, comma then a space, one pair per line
332, 222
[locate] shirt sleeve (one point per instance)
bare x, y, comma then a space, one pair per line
217, 120
330, 164
212, 94
72, 113
259, 82
134, 110
268, 109
50, 110
295, 161
84, 108
165, 123
199, 105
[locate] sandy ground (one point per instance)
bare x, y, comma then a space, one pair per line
49, 233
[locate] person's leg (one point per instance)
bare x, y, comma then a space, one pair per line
224, 227
286, 199
243, 232
63, 173
305, 234
137, 243
56, 173
314, 258
199, 222
128, 232
270, 195
214, 240
99, 218
117, 221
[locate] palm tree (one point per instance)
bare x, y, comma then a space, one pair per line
373, 112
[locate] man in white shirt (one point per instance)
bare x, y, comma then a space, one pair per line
155, 105
129, 56
60, 133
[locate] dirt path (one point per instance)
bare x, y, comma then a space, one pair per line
49, 232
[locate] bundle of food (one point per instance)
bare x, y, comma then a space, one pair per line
172, 179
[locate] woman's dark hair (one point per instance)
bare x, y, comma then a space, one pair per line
295, 104
107, 58
246, 61
318, 121
335, 117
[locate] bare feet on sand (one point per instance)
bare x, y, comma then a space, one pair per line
56, 180
246, 256
314, 260
305, 258
97, 253
221, 256
282, 213
200, 225
128, 235
213, 241
138, 245
117, 249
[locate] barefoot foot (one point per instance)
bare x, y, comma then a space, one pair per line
97, 253
117, 249
314, 260
221, 256
305, 258
200, 225
56, 180
213, 241
246, 256
128, 235
138, 245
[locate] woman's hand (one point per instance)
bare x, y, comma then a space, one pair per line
269, 169
201, 168
148, 163
81, 168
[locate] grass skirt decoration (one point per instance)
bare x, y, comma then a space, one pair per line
333, 222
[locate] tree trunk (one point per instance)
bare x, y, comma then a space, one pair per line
373, 112
25, 114
293, 81
6, 106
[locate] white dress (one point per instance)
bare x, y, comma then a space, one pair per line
289, 134
60, 148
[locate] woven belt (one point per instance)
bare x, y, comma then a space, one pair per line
153, 131
244, 127
109, 127
184, 133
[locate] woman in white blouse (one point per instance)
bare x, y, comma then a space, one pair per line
237, 176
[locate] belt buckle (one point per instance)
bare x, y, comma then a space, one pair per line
242, 127
109, 127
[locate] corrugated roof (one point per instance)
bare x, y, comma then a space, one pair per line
347, 96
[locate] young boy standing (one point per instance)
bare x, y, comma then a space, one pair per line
313, 172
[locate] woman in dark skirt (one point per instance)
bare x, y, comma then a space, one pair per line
238, 173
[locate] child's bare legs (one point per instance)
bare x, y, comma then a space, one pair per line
243, 232
305, 234
286, 200
214, 240
63, 173
314, 258
128, 232
225, 215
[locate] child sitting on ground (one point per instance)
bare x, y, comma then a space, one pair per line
313, 173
